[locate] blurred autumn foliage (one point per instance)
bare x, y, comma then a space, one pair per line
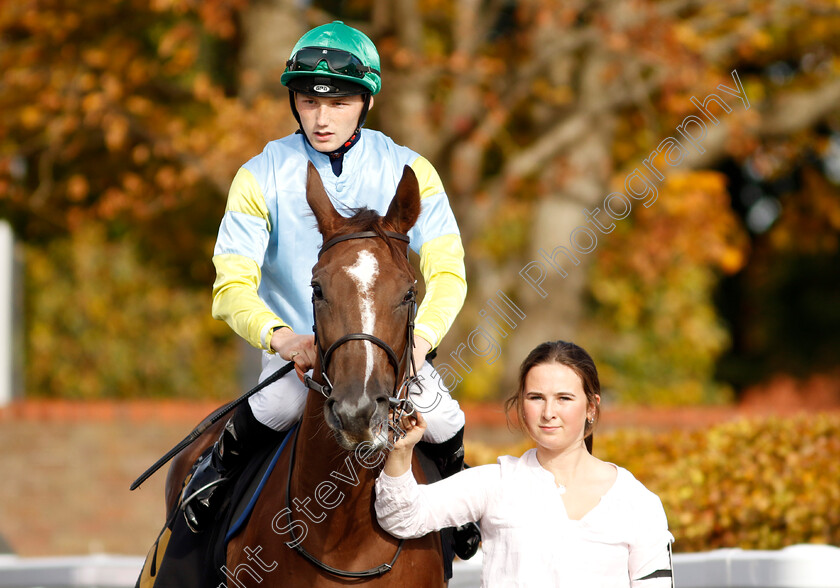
653, 284
754, 484
122, 123
117, 141
783, 307
125, 332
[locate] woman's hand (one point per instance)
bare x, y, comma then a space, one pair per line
414, 426
399, 459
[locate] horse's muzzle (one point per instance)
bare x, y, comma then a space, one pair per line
364, 420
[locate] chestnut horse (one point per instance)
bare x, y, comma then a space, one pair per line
314, 524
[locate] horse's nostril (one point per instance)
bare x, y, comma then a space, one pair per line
331, 408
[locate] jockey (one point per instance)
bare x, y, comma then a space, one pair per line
268, 242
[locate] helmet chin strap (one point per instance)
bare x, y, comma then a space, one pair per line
363, 115
295, 112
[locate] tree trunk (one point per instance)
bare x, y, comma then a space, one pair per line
270, 29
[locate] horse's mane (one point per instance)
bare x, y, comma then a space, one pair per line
366, 219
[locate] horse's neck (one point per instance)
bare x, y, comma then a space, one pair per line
318, 458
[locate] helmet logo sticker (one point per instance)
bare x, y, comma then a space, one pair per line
321, 88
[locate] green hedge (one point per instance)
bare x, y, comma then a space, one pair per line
753, 484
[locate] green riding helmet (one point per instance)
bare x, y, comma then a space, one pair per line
333, 60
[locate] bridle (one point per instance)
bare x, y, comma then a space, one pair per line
399, 400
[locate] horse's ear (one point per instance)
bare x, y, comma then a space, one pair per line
325, 213
405, 207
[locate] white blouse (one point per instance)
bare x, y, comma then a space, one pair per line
528, 540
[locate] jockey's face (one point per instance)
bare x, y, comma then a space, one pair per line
329, 122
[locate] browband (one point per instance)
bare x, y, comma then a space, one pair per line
361, 235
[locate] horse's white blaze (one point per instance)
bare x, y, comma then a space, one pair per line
364, 273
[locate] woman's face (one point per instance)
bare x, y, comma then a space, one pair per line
555, 406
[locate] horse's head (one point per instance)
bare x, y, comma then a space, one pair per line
363, 286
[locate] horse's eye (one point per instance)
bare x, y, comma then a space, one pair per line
317, 293
409, 296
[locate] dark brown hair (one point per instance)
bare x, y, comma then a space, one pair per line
570, 355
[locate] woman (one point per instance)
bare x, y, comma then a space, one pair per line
557, 516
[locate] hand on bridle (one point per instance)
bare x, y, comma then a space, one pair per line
408, 432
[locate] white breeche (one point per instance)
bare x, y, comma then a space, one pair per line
280, 405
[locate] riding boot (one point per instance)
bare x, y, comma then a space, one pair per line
449, 459
203, 494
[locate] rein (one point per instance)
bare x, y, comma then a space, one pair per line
296, 544
401, 405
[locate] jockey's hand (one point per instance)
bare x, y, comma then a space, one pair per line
421, 348
293, 347
414, 426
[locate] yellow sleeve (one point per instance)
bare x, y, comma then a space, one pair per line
235, 292
245, 196
236, 301
442, 266
441, 260
427, 178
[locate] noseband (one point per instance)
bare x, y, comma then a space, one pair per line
400, 405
